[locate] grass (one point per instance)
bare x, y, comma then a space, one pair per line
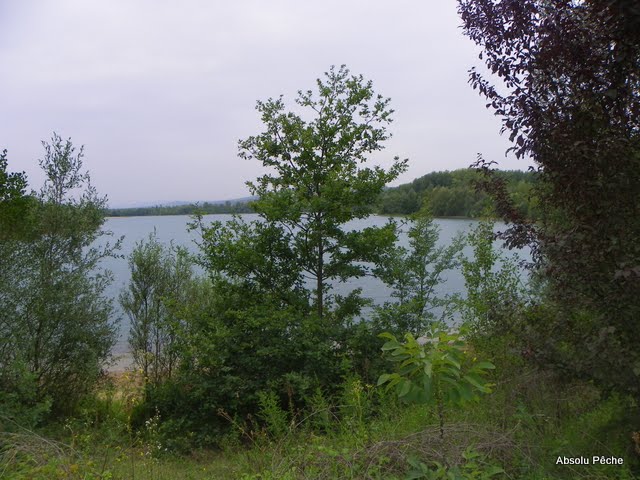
530, 419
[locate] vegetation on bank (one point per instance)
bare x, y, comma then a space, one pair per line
204, 208
259, 370
456, 194
449, 193
56, 325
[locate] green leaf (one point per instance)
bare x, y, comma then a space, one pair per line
484, 365
404, 387
452, 360
388, 336
453, 372
384, 378
453, 395
465, 393
392, 345
449, 380
476, 382
409, 361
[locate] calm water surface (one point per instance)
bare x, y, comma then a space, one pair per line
174, 229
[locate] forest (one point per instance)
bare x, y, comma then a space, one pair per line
456, 194
245, 361
204, 208
449, 193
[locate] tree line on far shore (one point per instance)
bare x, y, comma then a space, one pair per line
205, 208
449, 193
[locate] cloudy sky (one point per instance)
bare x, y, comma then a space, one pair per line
160, 91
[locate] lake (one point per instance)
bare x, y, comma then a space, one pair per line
174, 229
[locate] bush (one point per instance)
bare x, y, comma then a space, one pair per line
160, 279
54, 318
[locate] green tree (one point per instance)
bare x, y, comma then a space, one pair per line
435, 370
494, 290
272, 322
414, 273
160, 279
56, 323
317, 185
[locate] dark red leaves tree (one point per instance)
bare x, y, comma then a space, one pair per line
568, 93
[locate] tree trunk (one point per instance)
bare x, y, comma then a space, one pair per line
320, 281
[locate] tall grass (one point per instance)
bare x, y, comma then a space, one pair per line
530, 419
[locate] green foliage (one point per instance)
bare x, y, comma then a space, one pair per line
234, 344
450, 194
15, 205
160, 278
54, 319
317, 185
434, 371
356, 406
475, 467
271, 323
320, 416
523, 424
205, 208
434, 368
414, 274
21, 405
454, 194
276, 419
257, 254
494, 291
12, 185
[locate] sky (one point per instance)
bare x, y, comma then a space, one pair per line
159, 92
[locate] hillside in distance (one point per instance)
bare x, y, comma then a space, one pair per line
454, 194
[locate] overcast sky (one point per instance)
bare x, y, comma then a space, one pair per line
160, 91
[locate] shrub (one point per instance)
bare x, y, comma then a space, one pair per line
55, 320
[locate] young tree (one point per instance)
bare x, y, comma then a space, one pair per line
492, 281
160, 278
265, 327
55, 319
414, 274
570, 99
316, 186
435, 370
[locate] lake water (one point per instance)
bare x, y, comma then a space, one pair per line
174, 229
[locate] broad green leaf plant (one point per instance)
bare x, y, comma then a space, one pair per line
436, 370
